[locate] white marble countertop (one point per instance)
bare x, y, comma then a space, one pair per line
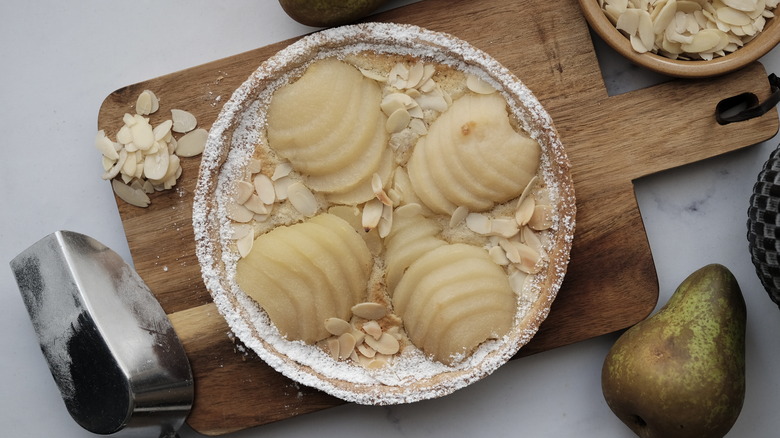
61, 59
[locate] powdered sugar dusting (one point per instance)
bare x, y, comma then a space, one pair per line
410, 376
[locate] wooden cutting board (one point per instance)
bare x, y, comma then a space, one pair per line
611, 141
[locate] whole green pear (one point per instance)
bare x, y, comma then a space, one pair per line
681, 372
326, 13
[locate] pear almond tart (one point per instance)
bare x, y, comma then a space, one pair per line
384, 213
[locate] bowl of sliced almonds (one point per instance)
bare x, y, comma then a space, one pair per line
686, 38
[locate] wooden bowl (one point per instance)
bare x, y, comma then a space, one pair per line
752, 51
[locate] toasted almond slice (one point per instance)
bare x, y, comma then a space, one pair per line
416, 74
525, 211
302, 199
282, 169
478, 223
238, 231
504, 227
244, 244
458, 216
183, 121
337, 326
372, 329
398, 121
386, 221
498, 255
265, 188
130, 195
244, 190
254, 166
282, 187
386, 344
369, 310
366, 351
106, 146
478, 85
542, 217
239, 213
256, 205
162, 130
333, 347
346, 345
372, 213
192, 143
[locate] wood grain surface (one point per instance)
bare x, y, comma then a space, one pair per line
611, 141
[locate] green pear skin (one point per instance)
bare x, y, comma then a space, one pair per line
326, 13
681, 372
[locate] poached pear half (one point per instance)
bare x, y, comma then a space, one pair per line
681, 372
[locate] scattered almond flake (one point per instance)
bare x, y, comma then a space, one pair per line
162, 131
542, 217
478, 223
282, 187
192, 143
265, 188
530, 238
256, 205
370, 74
386, 344
525, 211
369, 310
517, 280
302, 199
372, 213
244, 244
337, 326
408, 210
130, 195
504, 227
254, 166
498, 255
346, 345
239, 230
478, 85
366, 351
282, 169
458, 216
244, 190
398, 120
106, 146
156, 165
418, 126
183, 121
415, 75
333, 348
372, 329
239, 213
147, 103
386, 221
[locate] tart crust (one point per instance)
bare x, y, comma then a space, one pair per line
232, 141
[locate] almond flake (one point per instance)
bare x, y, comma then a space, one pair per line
243, 191
372, 213
244, 244
398, 120
337, 326
366, 351
458, 216
238, 231
265, 189
333, 347
386, 344
106, 146
192, 143
239, 213
478, 85
373, 329
302, 199
542, 217
346, 345
369, 310
130, 195
281, 170
183, 121
254, 166
147, 103
256, 205
478, 223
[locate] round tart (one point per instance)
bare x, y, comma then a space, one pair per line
384, 213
